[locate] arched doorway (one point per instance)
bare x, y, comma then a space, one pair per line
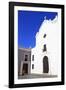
25, 69
45, 65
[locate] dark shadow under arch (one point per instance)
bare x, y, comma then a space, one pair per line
45, 65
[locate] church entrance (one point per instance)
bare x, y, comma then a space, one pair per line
45, 65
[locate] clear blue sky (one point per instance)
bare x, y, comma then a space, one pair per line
28, 25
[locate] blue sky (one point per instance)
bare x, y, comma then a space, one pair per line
29, 23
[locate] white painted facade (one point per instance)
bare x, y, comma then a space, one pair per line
51, 29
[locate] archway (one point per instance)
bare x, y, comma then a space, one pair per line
45, 65
25, 69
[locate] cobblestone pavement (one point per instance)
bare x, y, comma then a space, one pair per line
30, 76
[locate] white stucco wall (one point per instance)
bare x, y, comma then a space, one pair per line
51, 29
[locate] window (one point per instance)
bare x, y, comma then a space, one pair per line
32, 57
26, 57
44, 48
32, 66
44, 35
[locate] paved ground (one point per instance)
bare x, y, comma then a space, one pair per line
30, 76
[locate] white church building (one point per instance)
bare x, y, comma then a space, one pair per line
44, 56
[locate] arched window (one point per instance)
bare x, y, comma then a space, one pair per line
44, 36
44, 48
32, 57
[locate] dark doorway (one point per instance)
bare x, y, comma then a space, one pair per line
45, 65
25, 69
